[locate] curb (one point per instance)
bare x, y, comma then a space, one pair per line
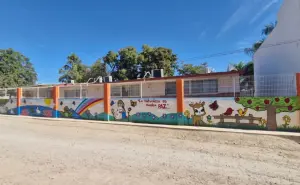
177, 127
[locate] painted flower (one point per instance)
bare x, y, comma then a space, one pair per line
129, 109
149, 113
172, 116
153, 117
187, 114
138, 114
180, 115
164, 116
25, 112
47, 113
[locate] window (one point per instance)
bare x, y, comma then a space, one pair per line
75, 93
204, 86
29, 93
2, 92
115, 90
84, 93
45, 92
170, 88
126, 90
11, 93
72, 93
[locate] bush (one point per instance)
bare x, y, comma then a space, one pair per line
288, 129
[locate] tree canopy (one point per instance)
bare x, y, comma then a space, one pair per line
73, 70
158, 58
128, 63
96, 70
15, 69
239, 66
267, 30
190, 69
124, 64
285, 104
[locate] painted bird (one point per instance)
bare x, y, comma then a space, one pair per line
214, 106
243, 112
228, 112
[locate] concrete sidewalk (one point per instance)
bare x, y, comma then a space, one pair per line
190, 128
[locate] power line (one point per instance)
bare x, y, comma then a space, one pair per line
231, 52
239, 50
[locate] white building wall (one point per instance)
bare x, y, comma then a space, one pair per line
153, 88
283, 59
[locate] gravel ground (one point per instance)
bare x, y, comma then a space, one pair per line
44, 152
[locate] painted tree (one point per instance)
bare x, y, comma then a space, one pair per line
272, 105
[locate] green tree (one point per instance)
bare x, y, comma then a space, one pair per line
96, 70
73, 70
129, 64
267, 30
248, 69
124, 64
190, 69
158, 58
15, 69
239, 66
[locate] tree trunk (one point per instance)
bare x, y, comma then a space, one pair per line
271, 118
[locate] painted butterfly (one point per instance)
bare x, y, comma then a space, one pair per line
133, 103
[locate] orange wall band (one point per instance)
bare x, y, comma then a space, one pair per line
107, 99
180, 95
55, 96
19, 99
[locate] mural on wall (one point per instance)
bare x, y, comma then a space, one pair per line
257, 111
145, 110
37, 107
88, 108
8, 106
199, 112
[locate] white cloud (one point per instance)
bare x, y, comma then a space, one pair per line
236, 17
246, 42
263, 10
202, 34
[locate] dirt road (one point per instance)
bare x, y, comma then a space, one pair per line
64, 152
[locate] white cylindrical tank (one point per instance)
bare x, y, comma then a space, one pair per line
278, 59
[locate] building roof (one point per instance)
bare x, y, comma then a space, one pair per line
206, 75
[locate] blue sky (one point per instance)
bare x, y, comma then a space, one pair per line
47, 31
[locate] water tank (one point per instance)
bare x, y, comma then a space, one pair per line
108, 79
157, 73
278, 59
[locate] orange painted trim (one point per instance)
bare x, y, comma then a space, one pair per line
55, 95
298, 83
180, 95
107, 98
19, 96
19, 100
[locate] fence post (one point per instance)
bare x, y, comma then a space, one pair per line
106, 101
298, 92
298, 83
55, 94
19, 99
180, 101
233, 83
